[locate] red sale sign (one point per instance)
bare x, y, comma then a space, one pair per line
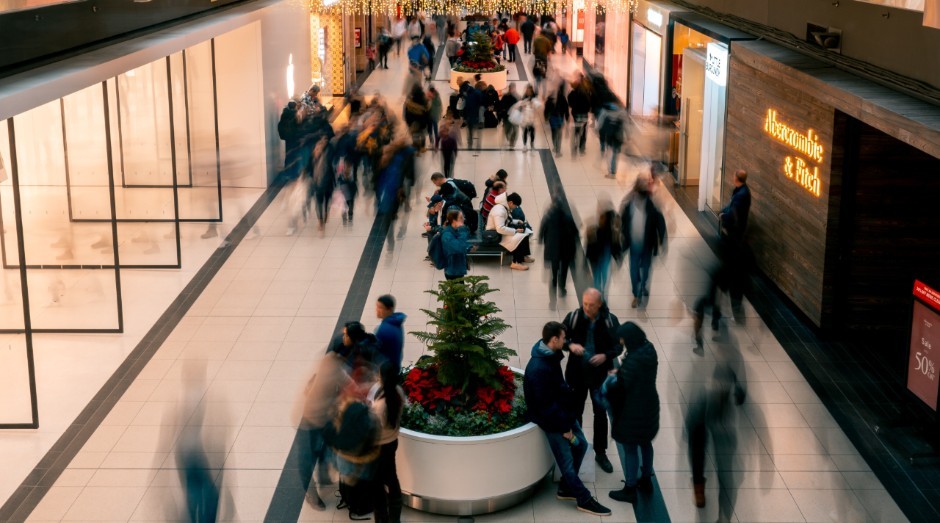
925, 335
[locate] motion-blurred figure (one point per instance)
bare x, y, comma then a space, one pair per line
322, 395
733, 221
712, 414
603, 245
197, 476
559, 233
643, 230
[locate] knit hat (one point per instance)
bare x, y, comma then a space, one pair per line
632, 335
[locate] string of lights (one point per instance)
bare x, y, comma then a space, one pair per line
458, 7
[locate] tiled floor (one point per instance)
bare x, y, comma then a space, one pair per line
262, 323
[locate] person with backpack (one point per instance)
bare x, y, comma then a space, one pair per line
556, 112
454, 245
593, 346
610, 128
387, 400
385, 45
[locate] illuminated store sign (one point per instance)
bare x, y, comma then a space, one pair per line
795, 167
716, 63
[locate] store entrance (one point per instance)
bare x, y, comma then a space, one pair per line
690, 121
645, 71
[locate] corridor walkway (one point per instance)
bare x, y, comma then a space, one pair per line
263, 322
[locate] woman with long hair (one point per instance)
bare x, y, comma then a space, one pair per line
387, 402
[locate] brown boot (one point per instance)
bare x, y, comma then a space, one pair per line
700, 494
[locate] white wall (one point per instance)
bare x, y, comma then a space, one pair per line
285, 35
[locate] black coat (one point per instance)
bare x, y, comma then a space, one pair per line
734, 216
559, 234
548, 398
633, 398
580, 372
579, 102
654, 236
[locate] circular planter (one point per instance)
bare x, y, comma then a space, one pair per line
499, 79
472, 475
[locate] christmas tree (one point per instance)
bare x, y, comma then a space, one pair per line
481, 47
465, 351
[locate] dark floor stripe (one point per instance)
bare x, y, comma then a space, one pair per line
520, 67
438, 59
288, 497
31, 491
650, 507
846, 378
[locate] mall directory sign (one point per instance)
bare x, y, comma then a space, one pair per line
925, 337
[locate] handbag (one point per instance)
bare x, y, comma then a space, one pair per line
490, 237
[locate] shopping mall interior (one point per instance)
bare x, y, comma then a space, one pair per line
183, 271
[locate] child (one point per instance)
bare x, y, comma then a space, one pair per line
563, 36
370, 55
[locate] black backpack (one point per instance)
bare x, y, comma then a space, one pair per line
466, 187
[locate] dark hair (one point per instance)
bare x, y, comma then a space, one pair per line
393, 401
452, 215
388, 301
552, 329
502, 174
355, 331
437, 176
446, 190
514, 199
499, 185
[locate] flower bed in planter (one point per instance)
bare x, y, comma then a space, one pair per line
464, 447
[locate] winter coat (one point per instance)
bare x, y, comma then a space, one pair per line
603, 237
503, 107
391, 338
633, 398
455, 245
323, 389
496, 221
654, 236
548, 398
437, 108
322, 173
579, 102
559, 234
418, 55
473, 100
579, 371
527, 108
734, 216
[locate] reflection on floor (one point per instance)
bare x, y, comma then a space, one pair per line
264, 320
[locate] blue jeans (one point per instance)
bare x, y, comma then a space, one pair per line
602, 272
640, 262
630, 460
614, 154
568, 457
433, 135
313, 451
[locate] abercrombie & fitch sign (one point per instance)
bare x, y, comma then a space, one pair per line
803, 171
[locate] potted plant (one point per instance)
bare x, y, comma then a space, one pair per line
465, 447
478, 58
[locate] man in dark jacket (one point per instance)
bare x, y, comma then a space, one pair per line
594, 346
634, 410
733, 220
579, 101
473, 102
390, 333
643, 230
559, 234
527, 28
548, 404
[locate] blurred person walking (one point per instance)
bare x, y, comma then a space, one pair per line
510, 130
323, 179
556, 112
559, 234
610, 125
603, 245
579, 102
387, 401
643, 230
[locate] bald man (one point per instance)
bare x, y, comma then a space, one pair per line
733, 220
593, 343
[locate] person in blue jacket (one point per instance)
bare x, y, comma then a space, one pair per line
549, 405
454, 239
390, 333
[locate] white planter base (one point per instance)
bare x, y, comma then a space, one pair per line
499, 80
475, 475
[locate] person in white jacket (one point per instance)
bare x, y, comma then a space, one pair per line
515, 235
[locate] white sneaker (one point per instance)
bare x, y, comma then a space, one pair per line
291, 231
518, 267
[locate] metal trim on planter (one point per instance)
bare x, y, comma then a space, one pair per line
474, 507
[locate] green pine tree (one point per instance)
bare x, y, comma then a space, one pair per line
482, 48
464, 347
